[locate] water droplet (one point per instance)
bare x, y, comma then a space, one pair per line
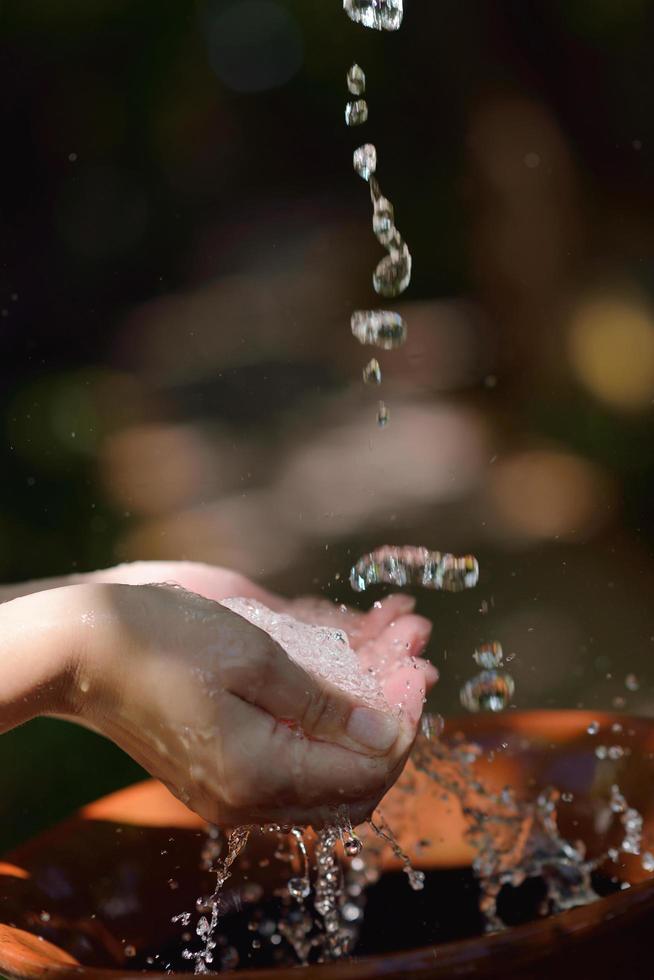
356, 113
353, 846
130, 950
431, 725
593, 728
351, 912
631, 682
490, 656
383, 415
648, 861
356, 80
372, 373
488, 691
379, 328
365, 160
416, 878
383, 220
44, 916
381, 15
393, 274
299, 887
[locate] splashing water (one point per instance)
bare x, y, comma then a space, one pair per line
206, 927
321, 650
402, 566
381, 15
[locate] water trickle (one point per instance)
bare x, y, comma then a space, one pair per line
409, 565
489, 691
206, 928
379, 328
356, 80
365, 160
381, 15
383, 220
356, 113
382, 830
372, 373
393, 273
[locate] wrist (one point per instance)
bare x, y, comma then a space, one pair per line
38, 655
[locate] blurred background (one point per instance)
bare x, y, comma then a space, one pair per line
184, 241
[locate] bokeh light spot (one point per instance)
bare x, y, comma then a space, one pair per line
611, 347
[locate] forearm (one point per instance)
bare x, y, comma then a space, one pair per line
37, 656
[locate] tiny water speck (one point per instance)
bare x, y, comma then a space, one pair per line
631, 682
647, 861
593, 728
383, 415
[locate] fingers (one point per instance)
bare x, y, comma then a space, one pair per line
368, 626
274, 773
258, 671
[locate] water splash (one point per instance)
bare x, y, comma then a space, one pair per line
409, 565
380, 15
206, 927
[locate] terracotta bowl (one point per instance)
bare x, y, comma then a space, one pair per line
91, 897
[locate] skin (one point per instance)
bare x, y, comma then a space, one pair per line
205, 701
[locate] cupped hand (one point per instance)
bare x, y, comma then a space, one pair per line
214, 708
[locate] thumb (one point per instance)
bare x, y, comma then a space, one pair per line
264, 675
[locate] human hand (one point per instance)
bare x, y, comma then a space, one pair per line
196, 695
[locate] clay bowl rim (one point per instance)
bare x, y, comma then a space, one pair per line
526, 942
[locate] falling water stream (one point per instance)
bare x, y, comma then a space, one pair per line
330, 871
